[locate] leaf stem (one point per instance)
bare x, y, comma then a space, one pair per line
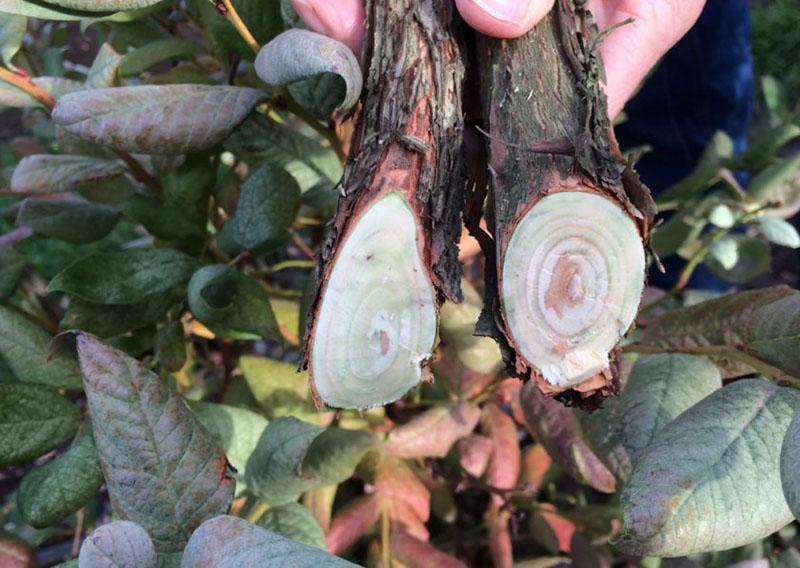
386, 553
138, 171
41, 322
233, 17
26, 84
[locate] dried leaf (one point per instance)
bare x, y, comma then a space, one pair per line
162, 469
504, 466
556, 427
156, 119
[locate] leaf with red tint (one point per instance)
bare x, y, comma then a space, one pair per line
162, 468
500, 543
556, 427
419, 554
352, 522
433, 433
407, 499
535, 463
474, 453
16, 554
562, 528
504, 466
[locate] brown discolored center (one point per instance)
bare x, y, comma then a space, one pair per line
385, 342
566, 287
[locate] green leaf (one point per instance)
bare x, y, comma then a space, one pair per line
103, 5
710, 479
779, 231
262, 140
659, 388
103, 72
556, 427
262, 18
320, 94
12, 97
117, 545
299, 54
757, 328
12, 267
106, 320
679, 229
449, 422
46, 173
333, 455
156, 119
744, 257
12, 32
23, 346
722, 216
717, 154
52, 491
70, 221
790, 465
170, 346
163, 221
272, 470
294, 521
162, 469
765, 147
775, 184
230, 303
278, 387
236, 430
231, 542
126, 277
45, 11
140, 60
267, 206
34, 419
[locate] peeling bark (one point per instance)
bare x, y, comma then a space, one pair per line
408, 140
548, 131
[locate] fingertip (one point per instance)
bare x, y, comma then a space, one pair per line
503, 18
342, 20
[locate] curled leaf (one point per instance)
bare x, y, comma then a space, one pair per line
156, 119
299, 54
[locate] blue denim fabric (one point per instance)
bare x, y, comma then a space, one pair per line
704, 84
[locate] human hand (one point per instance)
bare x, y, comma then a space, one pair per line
628, 53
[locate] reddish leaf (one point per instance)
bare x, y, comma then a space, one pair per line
16, 554
352, 522
535, 463
504, 467
562, 528
449, 423
418, 554
556, 428
500, 542
406, 497
474, 453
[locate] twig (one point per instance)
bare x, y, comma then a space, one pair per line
13, 237
24, 83
227, 9
41, 322
137, 170
76, 539
386, 552
299, 243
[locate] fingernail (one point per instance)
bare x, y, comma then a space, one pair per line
508, 10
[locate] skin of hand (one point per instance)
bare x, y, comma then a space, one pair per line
629, 52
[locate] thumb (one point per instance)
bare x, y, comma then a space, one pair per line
341, 20
503, 18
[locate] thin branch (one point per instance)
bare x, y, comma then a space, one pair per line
227, 9
26, 84
138, 172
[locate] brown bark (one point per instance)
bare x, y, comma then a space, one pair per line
548, 130
408, 137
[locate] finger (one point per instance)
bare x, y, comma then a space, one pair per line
503, 18
342, 20
631, 51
